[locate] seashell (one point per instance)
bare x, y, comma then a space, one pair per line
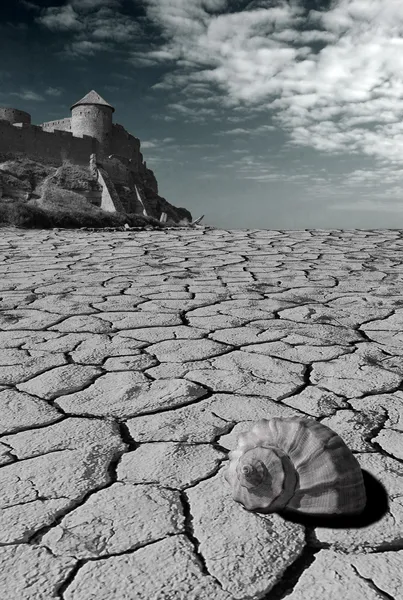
297, 465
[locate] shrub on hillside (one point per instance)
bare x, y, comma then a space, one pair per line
70, 176
20, 214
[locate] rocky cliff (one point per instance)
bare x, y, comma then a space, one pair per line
38, 184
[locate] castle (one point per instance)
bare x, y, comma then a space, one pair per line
89, 131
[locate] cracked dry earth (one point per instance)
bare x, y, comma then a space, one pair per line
129, 364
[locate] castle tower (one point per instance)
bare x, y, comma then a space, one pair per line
92, 115
13, 115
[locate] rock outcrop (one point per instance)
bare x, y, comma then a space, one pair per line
37, 183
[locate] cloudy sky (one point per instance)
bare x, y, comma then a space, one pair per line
271, 114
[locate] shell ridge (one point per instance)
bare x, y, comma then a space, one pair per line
296, 464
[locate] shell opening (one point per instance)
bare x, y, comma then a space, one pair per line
252, 476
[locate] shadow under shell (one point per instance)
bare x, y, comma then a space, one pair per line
376, 507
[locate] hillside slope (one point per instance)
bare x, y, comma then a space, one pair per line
71, 192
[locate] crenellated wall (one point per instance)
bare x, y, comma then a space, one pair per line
13, 115
126, 145
54, 146
55, 141
60, 124
127, 184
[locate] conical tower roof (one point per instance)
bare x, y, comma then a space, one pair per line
92, 98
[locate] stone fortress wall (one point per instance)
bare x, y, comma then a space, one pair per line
59, 124
52, 147
90, 136
13, 115
88, 131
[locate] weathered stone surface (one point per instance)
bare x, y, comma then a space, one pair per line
187, 338
82, 323
389, 340
27, 319
133, 363
173, 369
119, 518
350, 376
118, 303
55, 342
65, 304
95, 348
354, 428
62, 463
29, 366
11, 300
391, 441
5, 455
129, 320
174, 306
19, 410
159, 334
246, 553
178, 575
316, 402
390, 405
250, 373
392, 323
239, 336
169, 464
128, 393
304, 354
383, 569
12, 357
29, 572
186, 350
59, 381
355, 315
193, 423
26, 339
294, 333
333, 576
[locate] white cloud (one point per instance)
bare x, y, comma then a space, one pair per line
157, 144
28, 95
59, 18
147, 144
241, 130
51, 91
97, 25
84, 48
237, 131
335, 87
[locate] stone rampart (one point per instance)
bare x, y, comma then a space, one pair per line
13, 115
59, 124
126, 145
37, 144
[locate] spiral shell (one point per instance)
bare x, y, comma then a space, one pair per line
295, 464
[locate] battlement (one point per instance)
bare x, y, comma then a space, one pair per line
89, 130
88, 138
52, 147
14, 115
59, 125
